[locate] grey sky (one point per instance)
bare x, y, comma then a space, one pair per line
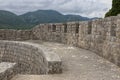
89, 8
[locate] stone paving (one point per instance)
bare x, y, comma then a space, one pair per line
78, 64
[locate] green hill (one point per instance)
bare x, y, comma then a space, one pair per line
9, 20
50, 16
43, 16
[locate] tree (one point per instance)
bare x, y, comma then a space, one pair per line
115, 10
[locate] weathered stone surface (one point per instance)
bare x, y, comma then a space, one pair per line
9, 34
101, 36
30, 58
7, 70
78, 64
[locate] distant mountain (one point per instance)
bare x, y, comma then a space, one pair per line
28, 20
43, 16
9, 18
50, 16
75, 18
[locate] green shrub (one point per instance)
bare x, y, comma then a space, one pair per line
115, 10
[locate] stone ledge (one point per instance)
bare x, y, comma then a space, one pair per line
54, 63
7, 70
37, 59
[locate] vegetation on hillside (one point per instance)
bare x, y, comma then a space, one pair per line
50, 16
115, 10
9, 20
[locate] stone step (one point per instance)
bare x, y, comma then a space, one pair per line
7, 70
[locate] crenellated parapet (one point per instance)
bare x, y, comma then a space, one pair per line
101, 36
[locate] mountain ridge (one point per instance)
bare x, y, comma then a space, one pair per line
30, 19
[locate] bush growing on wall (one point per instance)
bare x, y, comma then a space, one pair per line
115, 10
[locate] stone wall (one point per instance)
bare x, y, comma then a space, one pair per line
30, 58
101, 36
7, 70
10, 34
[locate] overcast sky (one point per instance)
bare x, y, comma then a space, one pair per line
89, 8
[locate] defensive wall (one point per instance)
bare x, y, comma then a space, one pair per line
29, 58
101, 36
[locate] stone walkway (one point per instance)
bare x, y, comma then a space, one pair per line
78, 64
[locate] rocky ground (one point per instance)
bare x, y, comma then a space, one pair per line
78, 64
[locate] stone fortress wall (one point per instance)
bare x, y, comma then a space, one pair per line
29, 59
101, 36
19, 35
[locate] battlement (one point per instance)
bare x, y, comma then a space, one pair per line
101, 36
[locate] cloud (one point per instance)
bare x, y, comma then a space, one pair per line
90, 8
